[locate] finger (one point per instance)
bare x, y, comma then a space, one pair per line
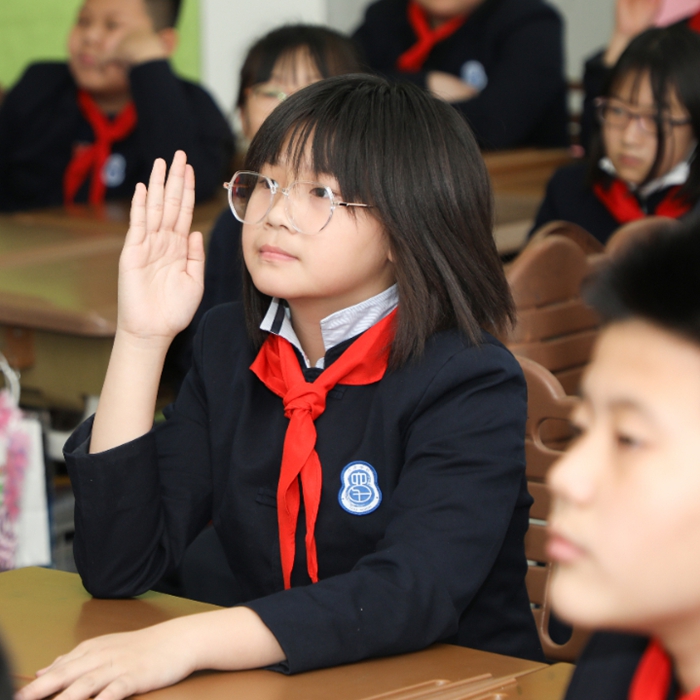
184, 220
137, 216
84, 687
173, 190
154, 198
195, 257
116, 690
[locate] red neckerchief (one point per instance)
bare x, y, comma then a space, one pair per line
92, 158
652, 679
694, 22
277, 367
412, 60
624, 207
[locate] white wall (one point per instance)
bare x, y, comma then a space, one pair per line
230, 26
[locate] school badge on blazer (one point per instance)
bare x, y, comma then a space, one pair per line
359, 492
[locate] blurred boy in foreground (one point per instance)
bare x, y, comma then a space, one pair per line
89, 129
625, 523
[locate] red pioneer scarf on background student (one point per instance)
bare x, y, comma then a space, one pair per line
412, 60
277, 367
90, 159
694, 22
624, 207
652, 679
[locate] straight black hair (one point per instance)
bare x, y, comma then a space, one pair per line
331, 52
671, 58
655, 280
164, 13
415, 161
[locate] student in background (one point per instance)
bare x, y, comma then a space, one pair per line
499, 62
89, 129
353, 430
643, 160
625, 522
632, 17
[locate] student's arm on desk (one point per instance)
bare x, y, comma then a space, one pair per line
119, 665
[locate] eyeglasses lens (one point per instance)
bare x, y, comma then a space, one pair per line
309, 206
619, 117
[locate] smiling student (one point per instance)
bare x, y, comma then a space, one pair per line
643, 161
625, 522
88, 130
353, 431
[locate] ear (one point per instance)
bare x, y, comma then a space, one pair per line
170, 39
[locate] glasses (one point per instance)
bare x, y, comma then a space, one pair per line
270, 93
309, 205
612, 113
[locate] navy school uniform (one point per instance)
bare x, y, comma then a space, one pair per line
605, 669
570, 198
513, 47
441, 557
41, 123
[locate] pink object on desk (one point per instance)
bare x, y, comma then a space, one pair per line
676, 10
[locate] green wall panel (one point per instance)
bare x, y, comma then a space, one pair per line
37, 30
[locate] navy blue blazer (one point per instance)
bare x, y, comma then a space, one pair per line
440, 557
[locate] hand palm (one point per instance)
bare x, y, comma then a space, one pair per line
635, 16
161, 268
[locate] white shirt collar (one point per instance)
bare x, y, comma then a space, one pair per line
336, 328
676, 176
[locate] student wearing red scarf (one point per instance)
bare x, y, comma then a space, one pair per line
354, 431
88, 130
625, 522
643, 162
499, 62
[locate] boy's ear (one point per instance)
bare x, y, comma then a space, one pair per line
170, 39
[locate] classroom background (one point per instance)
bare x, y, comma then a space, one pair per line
215, 34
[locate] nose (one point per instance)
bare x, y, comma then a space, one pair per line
573, 477
633, 131
277, 216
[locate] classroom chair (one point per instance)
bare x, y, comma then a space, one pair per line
554, 327
547, 433
586, 241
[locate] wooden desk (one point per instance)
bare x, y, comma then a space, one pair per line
44, 613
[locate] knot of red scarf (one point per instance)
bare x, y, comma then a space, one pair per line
412, 60
652, 679
624, 207
277, 367
92, 158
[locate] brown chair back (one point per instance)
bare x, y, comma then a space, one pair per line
554, 326
547, 433
586, 241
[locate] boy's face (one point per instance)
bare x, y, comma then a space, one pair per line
625, 522
94, 41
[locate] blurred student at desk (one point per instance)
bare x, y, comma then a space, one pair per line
89, 129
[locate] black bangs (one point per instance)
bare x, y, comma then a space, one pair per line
656, 280
414, 159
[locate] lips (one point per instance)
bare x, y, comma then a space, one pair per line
562, 549
273, 253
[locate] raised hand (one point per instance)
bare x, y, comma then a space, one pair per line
632, 17
161, 269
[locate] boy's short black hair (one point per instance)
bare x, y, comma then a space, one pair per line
415, 160
656, 280
332, 53
671, 58
164, 13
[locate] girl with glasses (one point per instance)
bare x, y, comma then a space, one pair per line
353, 429
642, 161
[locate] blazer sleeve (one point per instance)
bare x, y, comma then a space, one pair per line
449, 517
140, 504
175, 114
522, 87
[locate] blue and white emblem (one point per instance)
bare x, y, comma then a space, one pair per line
114, 170
359, 492
473, 73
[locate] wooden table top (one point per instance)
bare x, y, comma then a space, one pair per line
44, 613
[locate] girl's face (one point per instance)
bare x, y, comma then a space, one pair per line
631, 148
345, 263
446, 9
289, 74
625, 521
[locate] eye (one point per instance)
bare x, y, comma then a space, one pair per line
112, 25
319, 191
627, 440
